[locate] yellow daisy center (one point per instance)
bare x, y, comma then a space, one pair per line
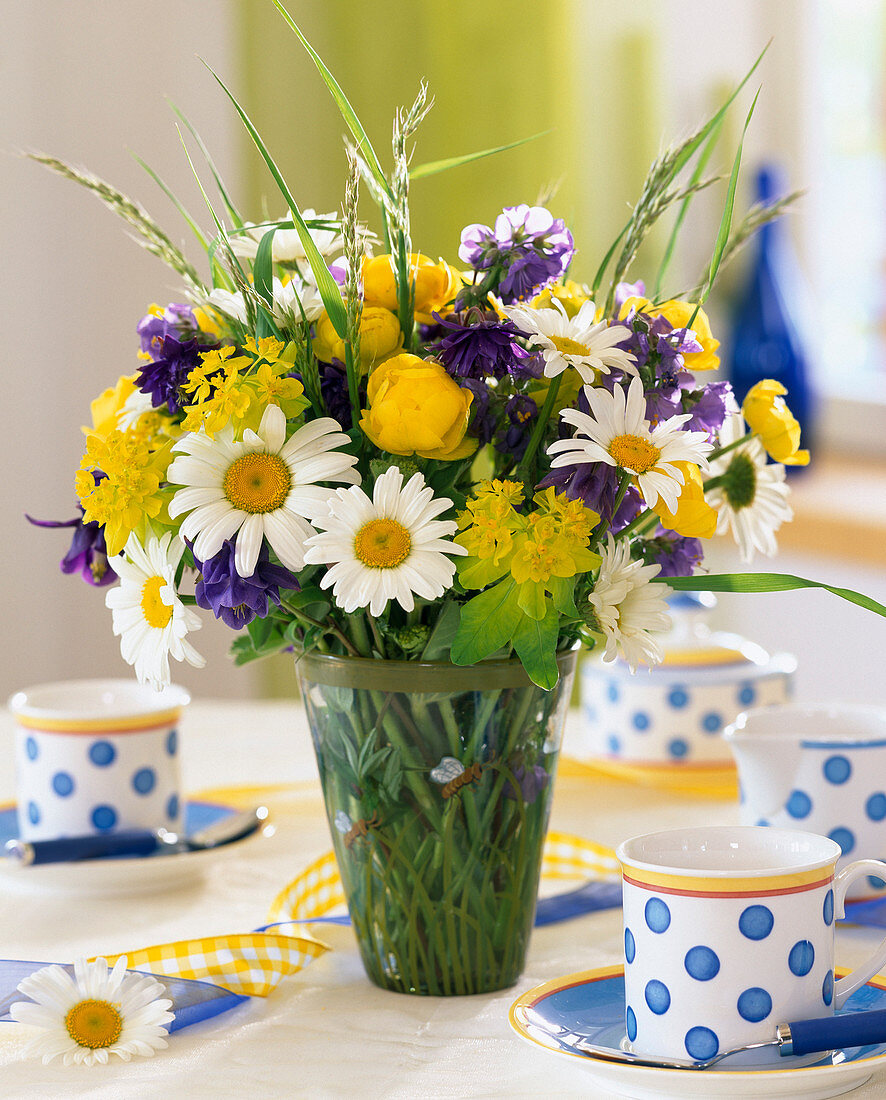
156, 612
382, 543
257, 483
632, 452
94, 1024
565, 346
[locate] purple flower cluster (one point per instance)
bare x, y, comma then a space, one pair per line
174, 344
234, 599
88, 554
595, 484
521, 413
678, 555
526, 251
334, 391
478, 344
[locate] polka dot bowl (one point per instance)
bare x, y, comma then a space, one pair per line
821, 769
675, 713
95, 756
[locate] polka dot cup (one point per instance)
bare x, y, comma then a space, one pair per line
728, 932
95, 756
821, 769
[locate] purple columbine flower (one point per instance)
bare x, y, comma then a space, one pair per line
482, 425
234, 599
521, 413
531, 782
707, 406
477, 344
334, 391
528, 246
174, 343
678, 555
88, 553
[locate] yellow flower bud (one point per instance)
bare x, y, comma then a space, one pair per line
380, 337
436, 284
767, 414
416, 408
694, 518
677, 314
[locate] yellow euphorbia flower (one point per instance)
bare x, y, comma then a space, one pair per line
677, 314
416, 408
769, 417
694, 518
108, 404
571, 296
436, 284
380, 337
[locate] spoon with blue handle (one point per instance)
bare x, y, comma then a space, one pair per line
136, 842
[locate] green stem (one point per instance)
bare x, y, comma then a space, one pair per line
623, 482
638, 524
730, 447
353, 373
358, 632
540, 425
327, 627
406, 295
376, 637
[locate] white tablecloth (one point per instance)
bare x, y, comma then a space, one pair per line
326, 1031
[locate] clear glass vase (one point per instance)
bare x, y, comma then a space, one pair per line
437, 781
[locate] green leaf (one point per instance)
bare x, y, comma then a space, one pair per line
535, 641
437, 645
767, 582
431, 168
563, 594
263, 280
328, 287
531, 599
347, 111
488, 622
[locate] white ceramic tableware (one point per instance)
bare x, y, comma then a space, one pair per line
94, 756
821, 769
728, 931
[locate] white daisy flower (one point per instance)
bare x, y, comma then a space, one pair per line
619, 434
628, 608
94, 1014
287, 297
149, 618
385, 548
263, 486
581, 341
287, 246
751, 498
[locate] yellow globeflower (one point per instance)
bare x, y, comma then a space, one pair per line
108, 404
677, 314
416, 408
436, 284
769, 417
380, 337
694, 517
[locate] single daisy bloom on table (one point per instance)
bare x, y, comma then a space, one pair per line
94, 1014
581, 341
628, 609
617, 432
149, 618
263, 486
749, 494
389, 547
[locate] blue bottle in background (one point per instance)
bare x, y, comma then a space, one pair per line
765, 339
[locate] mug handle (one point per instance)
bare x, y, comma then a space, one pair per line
855, 979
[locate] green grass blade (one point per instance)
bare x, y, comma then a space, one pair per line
598, 278
347, 111
767, 582
233, 213
327, 286
192, 225
263, 280
431, 168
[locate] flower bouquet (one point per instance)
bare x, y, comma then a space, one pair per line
431, 481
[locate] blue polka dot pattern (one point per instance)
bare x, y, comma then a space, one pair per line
657, 914
31, 748
172, 807
827, 987
754, 1005
712, 722
837, 769
641, 721
827, 909
756, 922
613, 743
630, 946
799, 804
701, 1043
875, 807
33, 813
678, 698
875, 883
746, 694
172, 742
104, 817
631, 1023
658, 997
102, 753
801, 958
702, 963
678, 748
144, 780
63, 784
612, 691
845, 838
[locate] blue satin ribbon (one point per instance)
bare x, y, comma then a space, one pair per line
192, 1001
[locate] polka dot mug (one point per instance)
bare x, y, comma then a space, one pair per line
821, 769
95, 756
729, 931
